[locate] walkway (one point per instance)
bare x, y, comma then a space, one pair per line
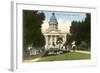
86, 52
34, 60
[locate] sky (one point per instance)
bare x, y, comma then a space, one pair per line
64, 19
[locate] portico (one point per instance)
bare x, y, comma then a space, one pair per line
51, 40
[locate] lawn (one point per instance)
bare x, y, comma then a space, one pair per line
61, 57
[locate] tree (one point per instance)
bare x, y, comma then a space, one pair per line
80, 31
32, 21
68, 42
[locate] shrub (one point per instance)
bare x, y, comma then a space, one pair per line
83, 46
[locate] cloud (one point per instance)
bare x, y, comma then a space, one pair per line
45, 26
64, 26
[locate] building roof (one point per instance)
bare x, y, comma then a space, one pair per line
53, 20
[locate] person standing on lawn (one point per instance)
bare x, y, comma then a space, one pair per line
73, 46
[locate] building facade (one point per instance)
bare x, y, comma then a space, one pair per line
53, 36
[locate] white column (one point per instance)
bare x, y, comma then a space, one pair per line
51, 39
55, 39
46, 41
65, 37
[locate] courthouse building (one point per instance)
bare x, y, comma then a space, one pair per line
53, 33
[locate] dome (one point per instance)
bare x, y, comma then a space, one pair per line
53, 20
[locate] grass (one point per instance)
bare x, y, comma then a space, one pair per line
29, 57
61, 57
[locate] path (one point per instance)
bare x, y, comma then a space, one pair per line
34, 60
86, 52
